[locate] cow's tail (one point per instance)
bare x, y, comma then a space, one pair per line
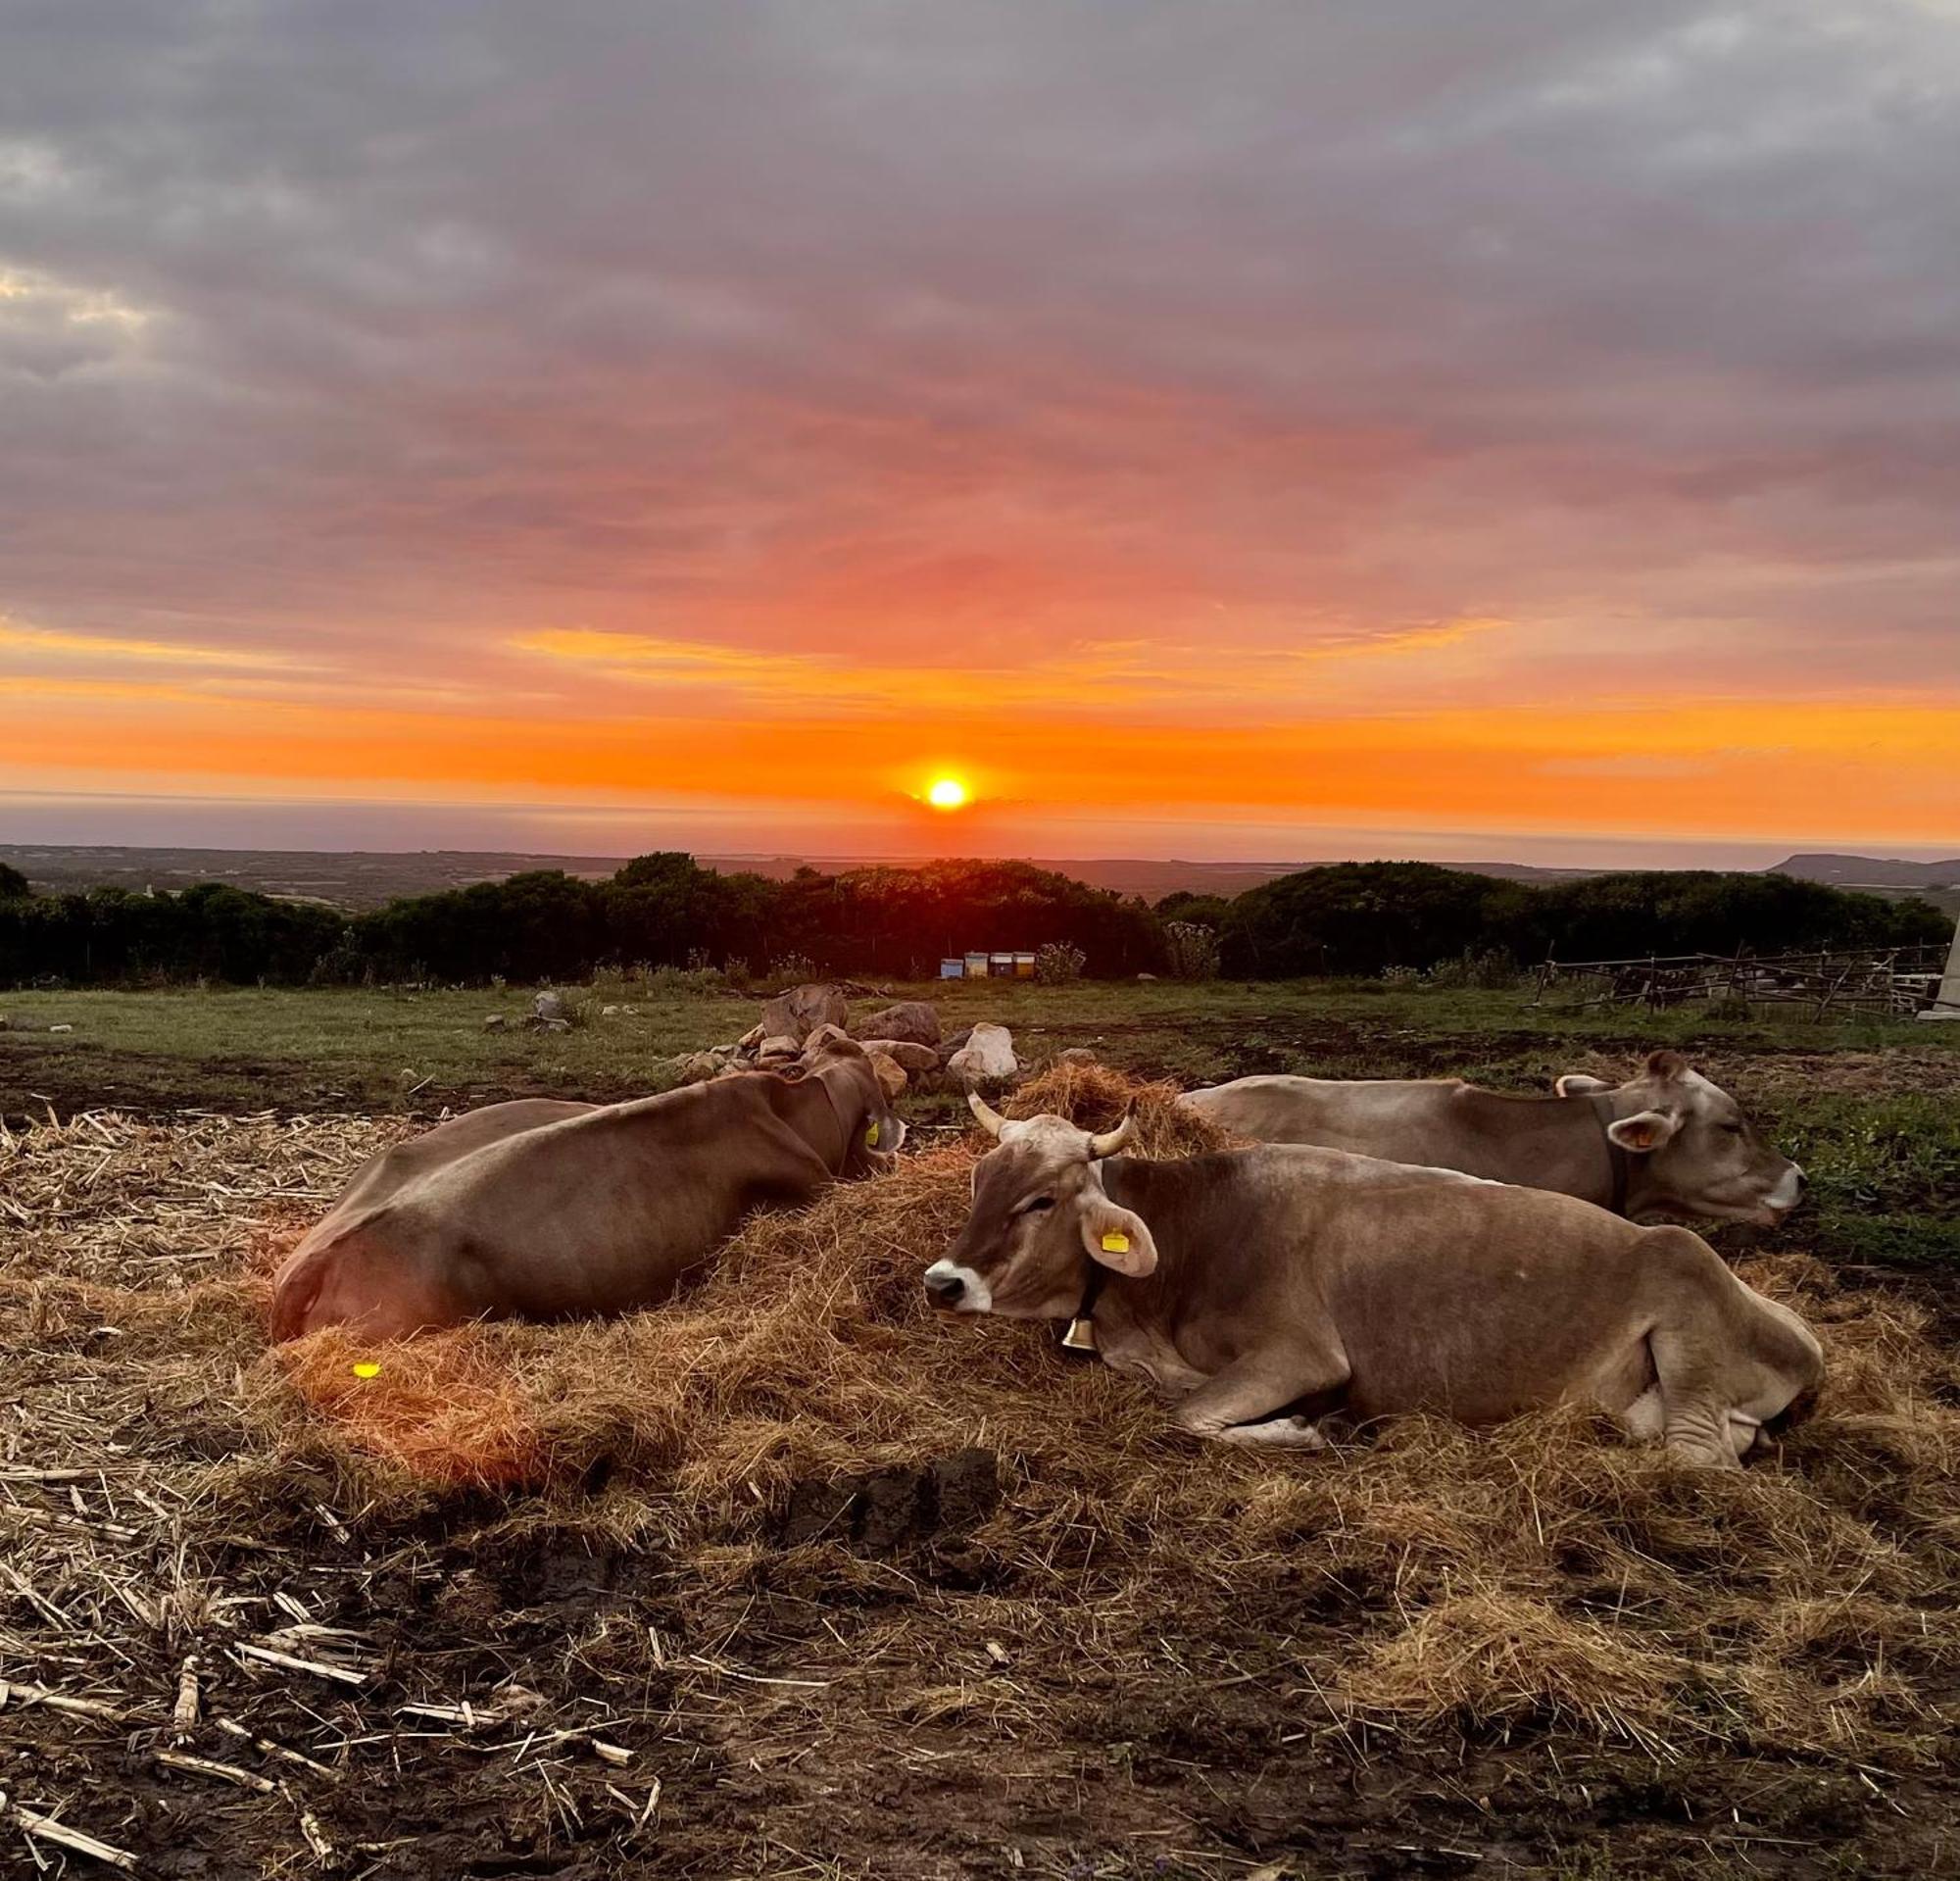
297, 1290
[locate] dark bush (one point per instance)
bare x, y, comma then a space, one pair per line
663, 910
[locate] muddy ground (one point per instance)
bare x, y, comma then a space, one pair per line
1213, 1760
876, 1690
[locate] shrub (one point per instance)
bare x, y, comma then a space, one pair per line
1490, 966
1190, 951
1056, 962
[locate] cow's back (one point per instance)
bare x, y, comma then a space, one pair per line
394, 1168
1411, 1120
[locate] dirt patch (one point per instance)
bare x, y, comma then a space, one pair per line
76, 1077
551, 1614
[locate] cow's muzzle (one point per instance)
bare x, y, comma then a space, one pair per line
957, 1289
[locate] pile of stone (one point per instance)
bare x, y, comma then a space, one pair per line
904, 1042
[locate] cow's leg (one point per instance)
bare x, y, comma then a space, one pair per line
1235, 1406
1695, 1398
1647, 1416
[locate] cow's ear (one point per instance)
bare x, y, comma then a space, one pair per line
1643, 1131
1578, 1084
1117, 1238
1666, 1064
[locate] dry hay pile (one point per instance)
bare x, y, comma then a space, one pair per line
1541, 1575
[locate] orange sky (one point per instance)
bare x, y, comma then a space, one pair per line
1373, 428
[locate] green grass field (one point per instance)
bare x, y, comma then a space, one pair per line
1873, 1110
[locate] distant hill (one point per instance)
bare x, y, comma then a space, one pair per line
1886, 875
351, 880
1871, 871
357, 879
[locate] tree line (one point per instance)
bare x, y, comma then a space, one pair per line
663, 910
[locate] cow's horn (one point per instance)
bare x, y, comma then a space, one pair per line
991, 1120
1110, 1141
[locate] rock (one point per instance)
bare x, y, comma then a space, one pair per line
1146, 977
609, 1011
892, 1079
749, 1039
801, 1009
551, 1024
986, 1061
822, 1036
915, 1058
910, 1020
496, 1022
778, 1050
551, 1006
1076, 1054
698, 1066
61, 1028
958, 1041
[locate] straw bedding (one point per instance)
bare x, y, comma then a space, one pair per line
1544, 1576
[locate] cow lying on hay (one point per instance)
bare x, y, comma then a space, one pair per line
540, 1209
1264, 1287
1665, 1140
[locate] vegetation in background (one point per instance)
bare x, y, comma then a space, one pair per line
1191, 950
663, 910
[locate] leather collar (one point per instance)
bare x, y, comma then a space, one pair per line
1081, 1333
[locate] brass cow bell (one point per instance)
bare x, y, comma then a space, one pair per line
1080, 1336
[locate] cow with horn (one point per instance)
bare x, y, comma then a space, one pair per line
1263, 1288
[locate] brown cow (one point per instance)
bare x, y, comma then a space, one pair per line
1262, 1288
540, 1209
1666, 1142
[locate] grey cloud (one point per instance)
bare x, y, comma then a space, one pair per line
473, 312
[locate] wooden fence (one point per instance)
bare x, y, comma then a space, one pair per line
1887, 982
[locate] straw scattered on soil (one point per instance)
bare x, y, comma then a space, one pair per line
1541, 1576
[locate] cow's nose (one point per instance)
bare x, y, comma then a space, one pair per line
945, 1289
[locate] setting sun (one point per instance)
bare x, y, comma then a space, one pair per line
946, 793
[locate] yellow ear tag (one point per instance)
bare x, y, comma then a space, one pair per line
367, 1368
871, 1137
1115, 1243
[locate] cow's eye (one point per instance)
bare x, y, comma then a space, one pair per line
1039, 1203
1733, 1130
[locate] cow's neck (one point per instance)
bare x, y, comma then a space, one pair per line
1149, 1306
1556, 1143
818, 1115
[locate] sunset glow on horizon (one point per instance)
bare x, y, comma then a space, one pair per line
1022, 433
